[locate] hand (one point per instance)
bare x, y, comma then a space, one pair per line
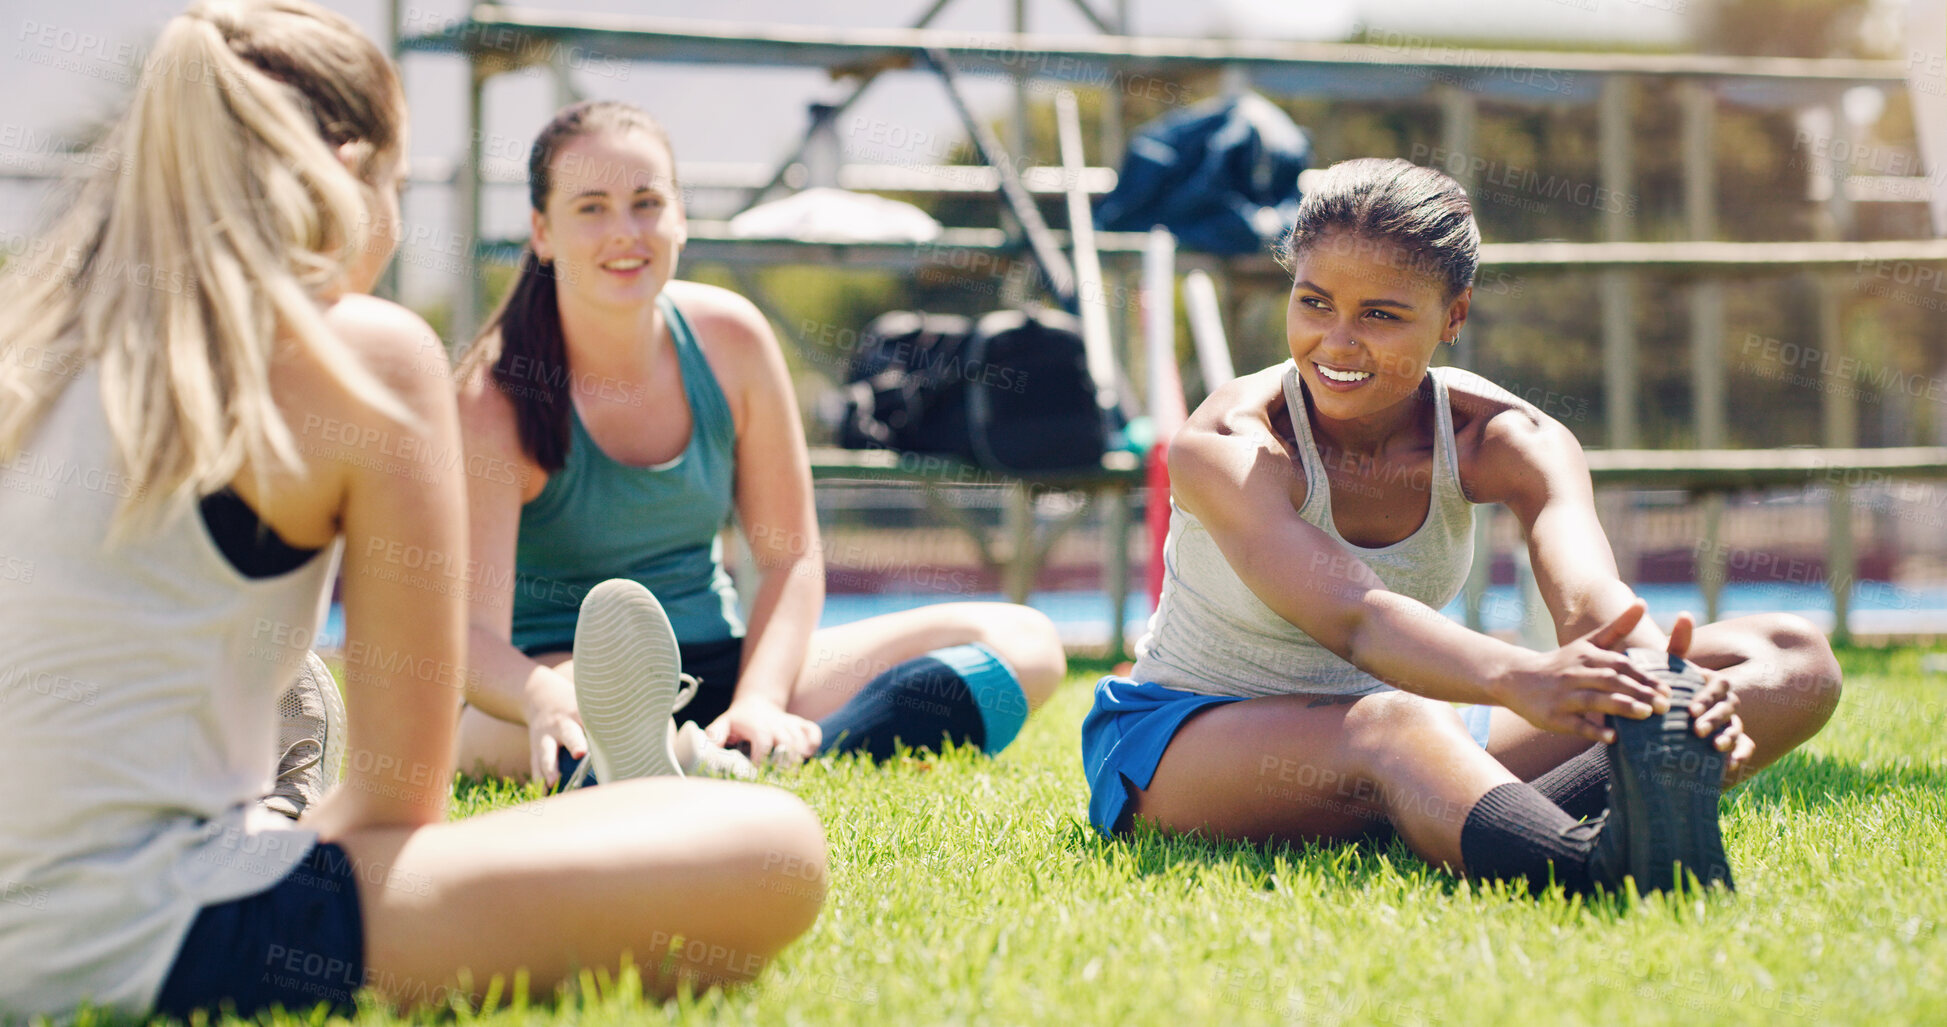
553, 724
770, 731
1713, 711
1569, 690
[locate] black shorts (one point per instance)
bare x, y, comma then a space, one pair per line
714, 664
300, 943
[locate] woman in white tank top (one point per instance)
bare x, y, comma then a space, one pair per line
1297, 678
194, 324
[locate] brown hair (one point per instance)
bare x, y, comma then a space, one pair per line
530, 363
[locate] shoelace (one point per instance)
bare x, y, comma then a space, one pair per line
315, 759
686, 687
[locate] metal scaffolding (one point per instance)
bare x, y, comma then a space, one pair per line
495, 40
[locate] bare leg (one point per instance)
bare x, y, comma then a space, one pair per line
843, 659
490, 747
1303, 767
1782, 670
590, 878
486, 744
1784, 675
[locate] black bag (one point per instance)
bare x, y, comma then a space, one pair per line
1032, 405
894, 397
1012, 394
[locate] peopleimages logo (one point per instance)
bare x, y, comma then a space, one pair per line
1526, 182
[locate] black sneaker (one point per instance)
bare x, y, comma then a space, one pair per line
1664, 782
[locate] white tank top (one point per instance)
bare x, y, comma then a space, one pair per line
137, 727
1211, 634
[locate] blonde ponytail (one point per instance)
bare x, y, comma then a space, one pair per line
220, 211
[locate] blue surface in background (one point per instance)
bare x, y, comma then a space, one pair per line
1877, 608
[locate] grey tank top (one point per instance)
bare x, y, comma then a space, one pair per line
138, 723
1211, 634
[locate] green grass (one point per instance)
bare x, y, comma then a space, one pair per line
968, 890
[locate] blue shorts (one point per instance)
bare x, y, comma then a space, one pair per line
1126, 731
299, 943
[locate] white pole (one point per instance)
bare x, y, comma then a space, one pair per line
1926, 79
1090, 298
1159, 331
1207, 329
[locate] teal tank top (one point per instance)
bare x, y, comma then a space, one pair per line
598, 519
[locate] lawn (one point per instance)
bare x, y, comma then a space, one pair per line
968, 890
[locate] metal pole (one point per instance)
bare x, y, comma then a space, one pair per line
1838, 404
1018, 139
1112, 141
1927, 31
1054, 264
388, 283
1618, 301
1207, 330
1115, 523
1840, 414
1479, 573
466, 297
1018, 516
1457, 111
1457, 115
757, 195
1619, 362
1091, 300
1706, 326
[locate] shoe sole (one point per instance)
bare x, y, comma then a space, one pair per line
1667, 781
626, 670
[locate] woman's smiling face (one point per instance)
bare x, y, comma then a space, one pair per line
614, 222
1363, 323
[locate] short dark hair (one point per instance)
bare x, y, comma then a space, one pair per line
1421, 210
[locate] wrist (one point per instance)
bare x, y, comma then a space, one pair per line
756, 686
756, 702
545, 691
1515, 664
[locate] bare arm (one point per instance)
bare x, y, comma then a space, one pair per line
405, 642
780, 522
502, 681
1533, 464
1239, 480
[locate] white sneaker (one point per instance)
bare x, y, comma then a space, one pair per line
311, 738
701, 757
627, 671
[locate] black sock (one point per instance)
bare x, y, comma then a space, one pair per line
1513, 833
918, 702
1579, 786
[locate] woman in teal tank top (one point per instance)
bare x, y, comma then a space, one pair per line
616, 421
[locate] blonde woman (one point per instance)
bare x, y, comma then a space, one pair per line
173, 357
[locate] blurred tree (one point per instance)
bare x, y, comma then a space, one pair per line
1785, 28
